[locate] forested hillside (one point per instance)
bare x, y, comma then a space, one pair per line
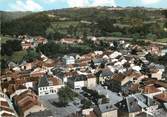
98, 21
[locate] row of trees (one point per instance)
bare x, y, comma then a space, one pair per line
51, 48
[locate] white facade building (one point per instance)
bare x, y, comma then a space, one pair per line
68, 60
48, 86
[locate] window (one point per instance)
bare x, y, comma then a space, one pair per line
52, 91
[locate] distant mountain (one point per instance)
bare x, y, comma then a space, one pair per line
99, 21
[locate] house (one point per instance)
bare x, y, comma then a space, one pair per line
49, 64
154, 49
136, 104
29, 84
107, 110
117, 81
68, 60
106, 74
88, 113
27, 43
57, 72
128, 107
156, 73
91, 81
13, 66
83, 66
98, 61
6, 106
161, 97
26, 66
41, 40
70, 41
151, 90
26, 103
77, 82
38, 72
115, 54
98, 52
49, 85
121, 81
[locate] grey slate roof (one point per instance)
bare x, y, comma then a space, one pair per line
107, 107
58, 72
135, 103
106, 73
43, 82
79, 78
45, 113
129, 104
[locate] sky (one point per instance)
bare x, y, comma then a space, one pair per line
41, 5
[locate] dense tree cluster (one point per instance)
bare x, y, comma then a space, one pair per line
31, 24
10, 47
31, 55
66, 94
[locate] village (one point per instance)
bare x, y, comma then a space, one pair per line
114, 82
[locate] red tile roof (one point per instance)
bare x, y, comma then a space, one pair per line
150, 89
162, 97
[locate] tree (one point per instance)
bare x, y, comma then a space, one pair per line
116, 34
66, 95
31, 55
136, 36
151, 36
3, 64
50, 33
10, 47
86, 103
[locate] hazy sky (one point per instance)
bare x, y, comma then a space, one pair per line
39, 5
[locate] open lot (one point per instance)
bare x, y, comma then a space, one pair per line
57, 111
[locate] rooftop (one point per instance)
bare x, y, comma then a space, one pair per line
161, 97
150, 89
45, 113
107, 107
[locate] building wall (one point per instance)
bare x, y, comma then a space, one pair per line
113, 113
116, 86
157, 75
48, 90
28, 84
91, 83
70, 61
27, 66
79, 84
